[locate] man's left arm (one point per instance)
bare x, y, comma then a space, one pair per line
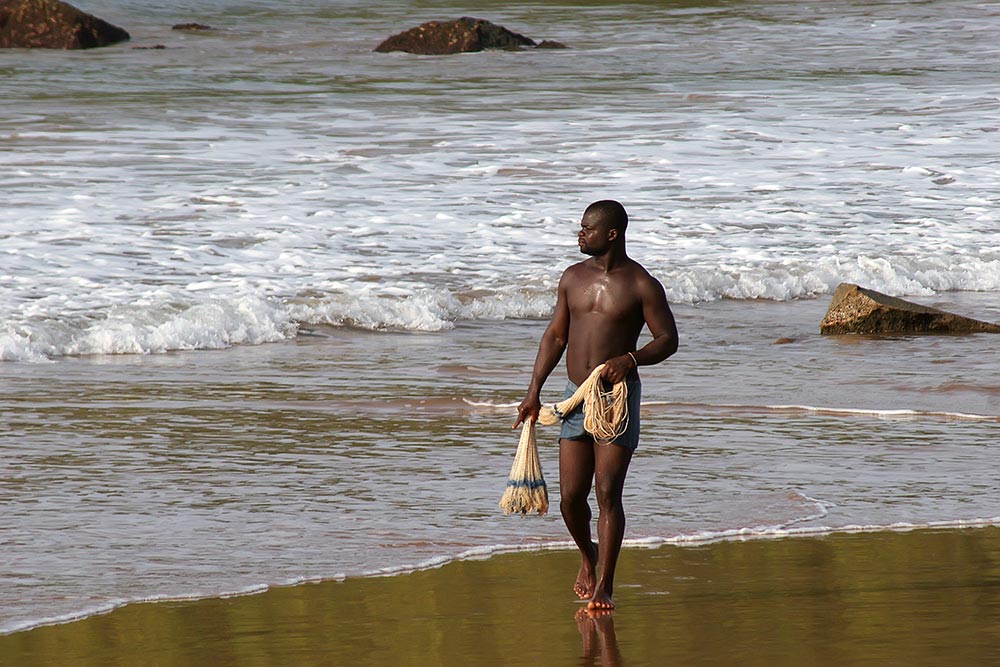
661, 324
660, 321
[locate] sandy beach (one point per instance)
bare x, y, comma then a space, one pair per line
925, 597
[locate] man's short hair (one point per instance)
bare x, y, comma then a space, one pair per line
610, 211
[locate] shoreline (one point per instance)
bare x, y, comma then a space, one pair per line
687, 540
463, 600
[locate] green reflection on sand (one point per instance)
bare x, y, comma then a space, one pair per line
919, 598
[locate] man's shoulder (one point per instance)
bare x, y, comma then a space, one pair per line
642, 278
582, 264
574, 270
640, 271
633, 270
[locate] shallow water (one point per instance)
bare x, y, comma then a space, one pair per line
343, 453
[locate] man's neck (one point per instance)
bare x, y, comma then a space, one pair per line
610, 260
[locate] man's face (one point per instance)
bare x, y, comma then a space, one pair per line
594, 237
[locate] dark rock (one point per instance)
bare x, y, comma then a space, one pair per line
784, 341
858, 310
550, 44
50, 24
461, 36
155, 47
192, 26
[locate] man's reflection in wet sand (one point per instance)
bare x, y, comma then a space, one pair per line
597, 630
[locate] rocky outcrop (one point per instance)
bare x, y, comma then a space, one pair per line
192, 27
461, 36
50, 24
857, 310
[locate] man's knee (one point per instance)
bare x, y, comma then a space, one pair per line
610, 471
608, 492
572, 496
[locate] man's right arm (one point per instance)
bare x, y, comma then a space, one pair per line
550, 351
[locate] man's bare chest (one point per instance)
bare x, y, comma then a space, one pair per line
612, 299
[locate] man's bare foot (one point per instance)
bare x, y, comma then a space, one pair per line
601, 601
586, 581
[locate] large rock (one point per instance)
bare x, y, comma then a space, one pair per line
50, 24
858, 310
461, 36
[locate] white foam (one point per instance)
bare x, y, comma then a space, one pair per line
87, 612
901, 414
152, 325
151, 328
885, 414
210, 314
490, 405
395, 308
793, 278
777, 532
398, 269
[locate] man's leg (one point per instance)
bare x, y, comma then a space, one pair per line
576, 471
610, 467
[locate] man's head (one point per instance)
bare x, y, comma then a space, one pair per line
603, 226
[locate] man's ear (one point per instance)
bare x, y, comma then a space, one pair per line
612, 234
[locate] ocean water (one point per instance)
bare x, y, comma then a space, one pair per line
267, 298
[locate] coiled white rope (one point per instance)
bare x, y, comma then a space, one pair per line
605, 412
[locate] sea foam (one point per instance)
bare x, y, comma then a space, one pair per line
150, 329
210, 315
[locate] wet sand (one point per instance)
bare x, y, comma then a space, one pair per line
926, 597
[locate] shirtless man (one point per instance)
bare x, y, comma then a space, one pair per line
602, 304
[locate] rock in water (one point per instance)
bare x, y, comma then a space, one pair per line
50, 24
461, 36
857, 310
192, 27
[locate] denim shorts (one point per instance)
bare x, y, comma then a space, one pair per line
572, 426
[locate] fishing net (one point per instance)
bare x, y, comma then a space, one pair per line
605, 417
